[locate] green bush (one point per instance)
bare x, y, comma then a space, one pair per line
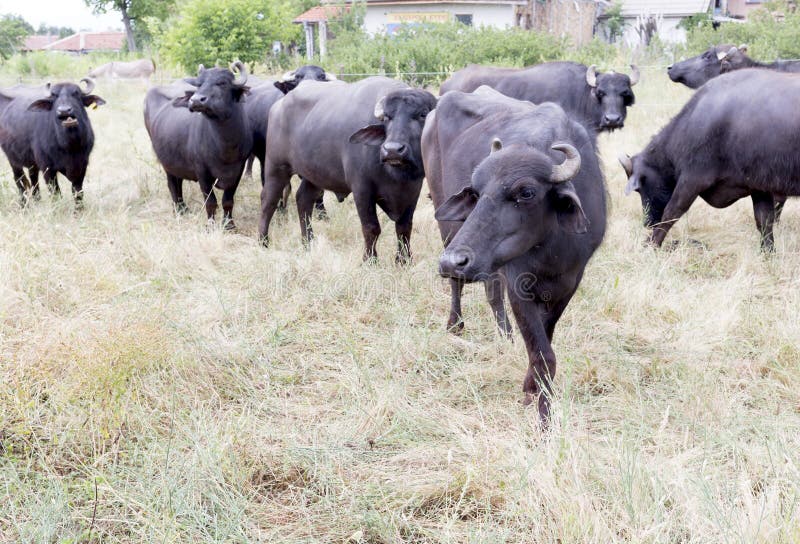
435, 48
767, 36
219, 31
56, 65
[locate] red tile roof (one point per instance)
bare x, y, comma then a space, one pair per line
34, 43
317, 14
90, 41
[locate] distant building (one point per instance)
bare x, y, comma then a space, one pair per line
37, 43
645, 19
85, 42
739, 9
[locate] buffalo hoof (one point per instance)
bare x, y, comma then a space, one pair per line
228, 225
528, 399
455, 327
403, 259
264, 241
181, 208
321, 214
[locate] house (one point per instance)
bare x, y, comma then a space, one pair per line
84, 42
645, 19
37, 43
573, 19
389, 15
738, 9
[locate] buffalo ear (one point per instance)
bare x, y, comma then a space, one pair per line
90, 99
458, 206
369, 135
285, 86
183, 101
45, 104
569, 209
240, 92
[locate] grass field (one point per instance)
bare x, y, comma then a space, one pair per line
160, 382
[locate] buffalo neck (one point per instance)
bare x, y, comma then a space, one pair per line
228, 134
73, 139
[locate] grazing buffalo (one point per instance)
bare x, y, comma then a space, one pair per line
135, 69
721, 59
48, 130
202, 134
359, 137
520, 201
729, 141
599, 100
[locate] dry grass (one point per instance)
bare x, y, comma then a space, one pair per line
212, 391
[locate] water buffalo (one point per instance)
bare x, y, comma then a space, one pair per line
520, 201
48, 130
203, 135
263, 95
361, 137
721, 59
141, 69
599, 100
729, 141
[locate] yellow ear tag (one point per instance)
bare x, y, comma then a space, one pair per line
94, 105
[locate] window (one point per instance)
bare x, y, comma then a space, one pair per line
464, 18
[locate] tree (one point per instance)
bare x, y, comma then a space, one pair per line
60, 31
219, 31
132, 11
13, 30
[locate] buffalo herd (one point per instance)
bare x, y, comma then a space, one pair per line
510, 157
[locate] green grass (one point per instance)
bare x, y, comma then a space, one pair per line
160, 382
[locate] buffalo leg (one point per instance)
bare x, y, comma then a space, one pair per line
175, 185
678, 204
77, 193
22, 183
402, 228
319, 207
541, 358
494, 294
51, 177
227, 208
33, 174
455, 322
276, 179
370, 227
779, 203
207, 187
306, 195
764, 211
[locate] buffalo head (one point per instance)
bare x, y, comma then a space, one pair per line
719, 59
613, 93
654, 183
401, 118
217, 91
292, 79
518, 197
68, 102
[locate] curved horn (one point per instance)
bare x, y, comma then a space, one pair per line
288, 76
635, 75
626, 163
47, 87
238, 66
330, 77
200, 69
89, 85
567, 169
591, 76
722, 55
497, 145
378, 113
743, 48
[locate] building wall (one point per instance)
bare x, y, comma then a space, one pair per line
380, 18
574, 19
668, 31
743, 8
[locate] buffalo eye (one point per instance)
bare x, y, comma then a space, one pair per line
599, 94
526, 193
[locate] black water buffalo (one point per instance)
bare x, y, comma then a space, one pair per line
599, 100
263, 94
48, 130
361, 137
729, 141
520, 201
721, 59
202, 135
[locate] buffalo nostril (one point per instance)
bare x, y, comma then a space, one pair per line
394, 147
461, 260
